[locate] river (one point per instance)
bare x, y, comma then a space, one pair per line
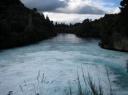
49, 67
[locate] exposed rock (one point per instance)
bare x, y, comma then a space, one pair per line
116, 42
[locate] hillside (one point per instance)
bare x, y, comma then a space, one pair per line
21, 26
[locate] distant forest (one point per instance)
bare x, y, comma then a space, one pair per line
22, 26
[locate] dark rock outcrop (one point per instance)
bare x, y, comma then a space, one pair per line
117, 42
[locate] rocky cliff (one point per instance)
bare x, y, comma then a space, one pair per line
116, 42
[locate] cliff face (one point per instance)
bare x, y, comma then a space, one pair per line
117, 36
116, 42
121, 45
21, 26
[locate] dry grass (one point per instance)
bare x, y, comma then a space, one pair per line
91, 88
84, 81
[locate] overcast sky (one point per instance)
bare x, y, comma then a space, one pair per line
71, 11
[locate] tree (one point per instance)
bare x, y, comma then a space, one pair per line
47, 18
35, 9
124, 7
124, 16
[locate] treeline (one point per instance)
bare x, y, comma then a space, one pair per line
21, 26
88, 28
112, 29
116, 36
63, 28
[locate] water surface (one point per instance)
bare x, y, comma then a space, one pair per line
59, 60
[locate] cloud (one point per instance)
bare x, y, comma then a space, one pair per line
70, 18
44, 5
72, 11
114, 10
109, 6
64, 6
74, 6
82, 7
81, 10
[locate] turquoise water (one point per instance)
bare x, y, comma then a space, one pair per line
59, 59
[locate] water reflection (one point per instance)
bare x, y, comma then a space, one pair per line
68, 38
